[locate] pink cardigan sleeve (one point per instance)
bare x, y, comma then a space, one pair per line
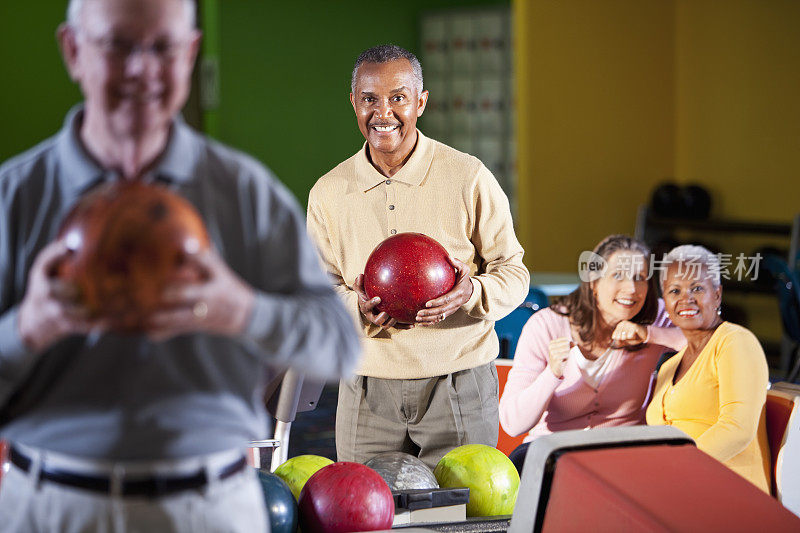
530, 383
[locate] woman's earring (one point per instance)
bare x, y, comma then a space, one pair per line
719, 310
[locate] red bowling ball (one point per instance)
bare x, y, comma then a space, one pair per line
345, 497
126, 241
405, 271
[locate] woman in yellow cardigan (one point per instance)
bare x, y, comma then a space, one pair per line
715, 388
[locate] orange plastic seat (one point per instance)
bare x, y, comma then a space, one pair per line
783, 433
505, 442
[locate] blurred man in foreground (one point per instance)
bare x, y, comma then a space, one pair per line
147, 432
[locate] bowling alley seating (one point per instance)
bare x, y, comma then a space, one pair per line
637, 478
3, 457
505, 442
783, 432
509, 328
787, 287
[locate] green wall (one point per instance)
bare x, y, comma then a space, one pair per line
35, 91
284, 75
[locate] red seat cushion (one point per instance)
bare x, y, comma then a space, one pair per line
778, 410
3, 456
505, 442
657, 488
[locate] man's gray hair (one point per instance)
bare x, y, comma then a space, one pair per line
383, 54
694, 254
75, 7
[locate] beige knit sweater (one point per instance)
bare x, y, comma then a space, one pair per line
447, 195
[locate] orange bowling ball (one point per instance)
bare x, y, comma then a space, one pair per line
127, 240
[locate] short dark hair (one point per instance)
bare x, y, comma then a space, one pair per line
384, 53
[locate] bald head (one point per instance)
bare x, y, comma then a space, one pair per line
75, 11
133, 61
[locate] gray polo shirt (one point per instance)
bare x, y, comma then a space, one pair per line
124, 397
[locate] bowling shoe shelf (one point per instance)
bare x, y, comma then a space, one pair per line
652, 229
661, 234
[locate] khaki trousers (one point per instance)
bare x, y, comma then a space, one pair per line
424, 417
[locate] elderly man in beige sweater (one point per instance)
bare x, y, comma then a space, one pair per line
427, 387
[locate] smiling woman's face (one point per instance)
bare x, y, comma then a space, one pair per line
621, 292
690, 297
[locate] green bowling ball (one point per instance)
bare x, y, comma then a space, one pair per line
491, 477
296, 471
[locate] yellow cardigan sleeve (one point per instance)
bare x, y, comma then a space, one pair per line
743, 376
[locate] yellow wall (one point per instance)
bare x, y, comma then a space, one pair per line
738, 119
595, 122
615, 96
738, 94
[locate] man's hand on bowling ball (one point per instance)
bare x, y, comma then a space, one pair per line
369, 308
51, 309
205, 296
438, 309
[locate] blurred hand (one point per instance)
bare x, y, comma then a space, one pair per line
442, 307
558, 354
369, 308
628, 333
51, 310
217, 301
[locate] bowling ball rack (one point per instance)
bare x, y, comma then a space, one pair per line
470, 525
571, 447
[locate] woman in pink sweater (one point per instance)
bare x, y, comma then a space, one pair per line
588, 360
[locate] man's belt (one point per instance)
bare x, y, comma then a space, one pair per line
150, 487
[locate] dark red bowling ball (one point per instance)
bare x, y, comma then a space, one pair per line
405, 271
345, 497
127, 240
